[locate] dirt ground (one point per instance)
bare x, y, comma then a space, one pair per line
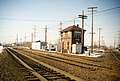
9, 69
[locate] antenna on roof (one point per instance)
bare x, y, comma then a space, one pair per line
77, 25
74, 22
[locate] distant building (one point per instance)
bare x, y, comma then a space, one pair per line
69, 36
1, 48
38, 45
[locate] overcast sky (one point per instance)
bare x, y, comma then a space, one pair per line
21, 16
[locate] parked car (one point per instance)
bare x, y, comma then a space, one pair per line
99, 52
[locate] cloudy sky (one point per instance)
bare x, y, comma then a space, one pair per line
21, 16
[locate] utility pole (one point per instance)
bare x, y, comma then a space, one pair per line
74, 22
82, 33
24, 44
103, 44
118, 40
17, 40
114, 42
46, 36
25, 37
45, 33
92, 27
60, 43
21, 41
99, 36
60, 25
31, 37
34, 32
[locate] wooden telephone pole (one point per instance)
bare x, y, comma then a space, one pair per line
92, 27
99, 36
82, 33
46, 36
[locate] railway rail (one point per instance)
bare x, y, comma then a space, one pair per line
87, 65
116, 55
42, 71
61, 54
30, 73
83, 64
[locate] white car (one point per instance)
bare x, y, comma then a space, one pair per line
99, 52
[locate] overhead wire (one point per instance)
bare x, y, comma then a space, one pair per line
102, 11
1, 18
56, 20
28, 19
106, 10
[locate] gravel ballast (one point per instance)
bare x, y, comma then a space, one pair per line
10, 70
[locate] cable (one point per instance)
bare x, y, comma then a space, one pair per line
63, 23
58, 21
55, 20
29, 20
106, 10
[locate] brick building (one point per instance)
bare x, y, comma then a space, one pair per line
70, 35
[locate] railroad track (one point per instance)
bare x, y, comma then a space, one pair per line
39, 71
83, 65
86, 59
61, 54
116, 55
68, 60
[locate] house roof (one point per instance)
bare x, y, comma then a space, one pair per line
72, 28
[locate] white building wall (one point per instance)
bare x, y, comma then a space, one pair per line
36, 45
76, 48
50, 47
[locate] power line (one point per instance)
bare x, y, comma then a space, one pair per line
28, 19
62, 23
54, 26
106, 10
2, 18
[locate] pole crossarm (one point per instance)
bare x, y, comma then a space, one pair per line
92, 7
82, 16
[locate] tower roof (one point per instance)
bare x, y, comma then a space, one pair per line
72, 28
